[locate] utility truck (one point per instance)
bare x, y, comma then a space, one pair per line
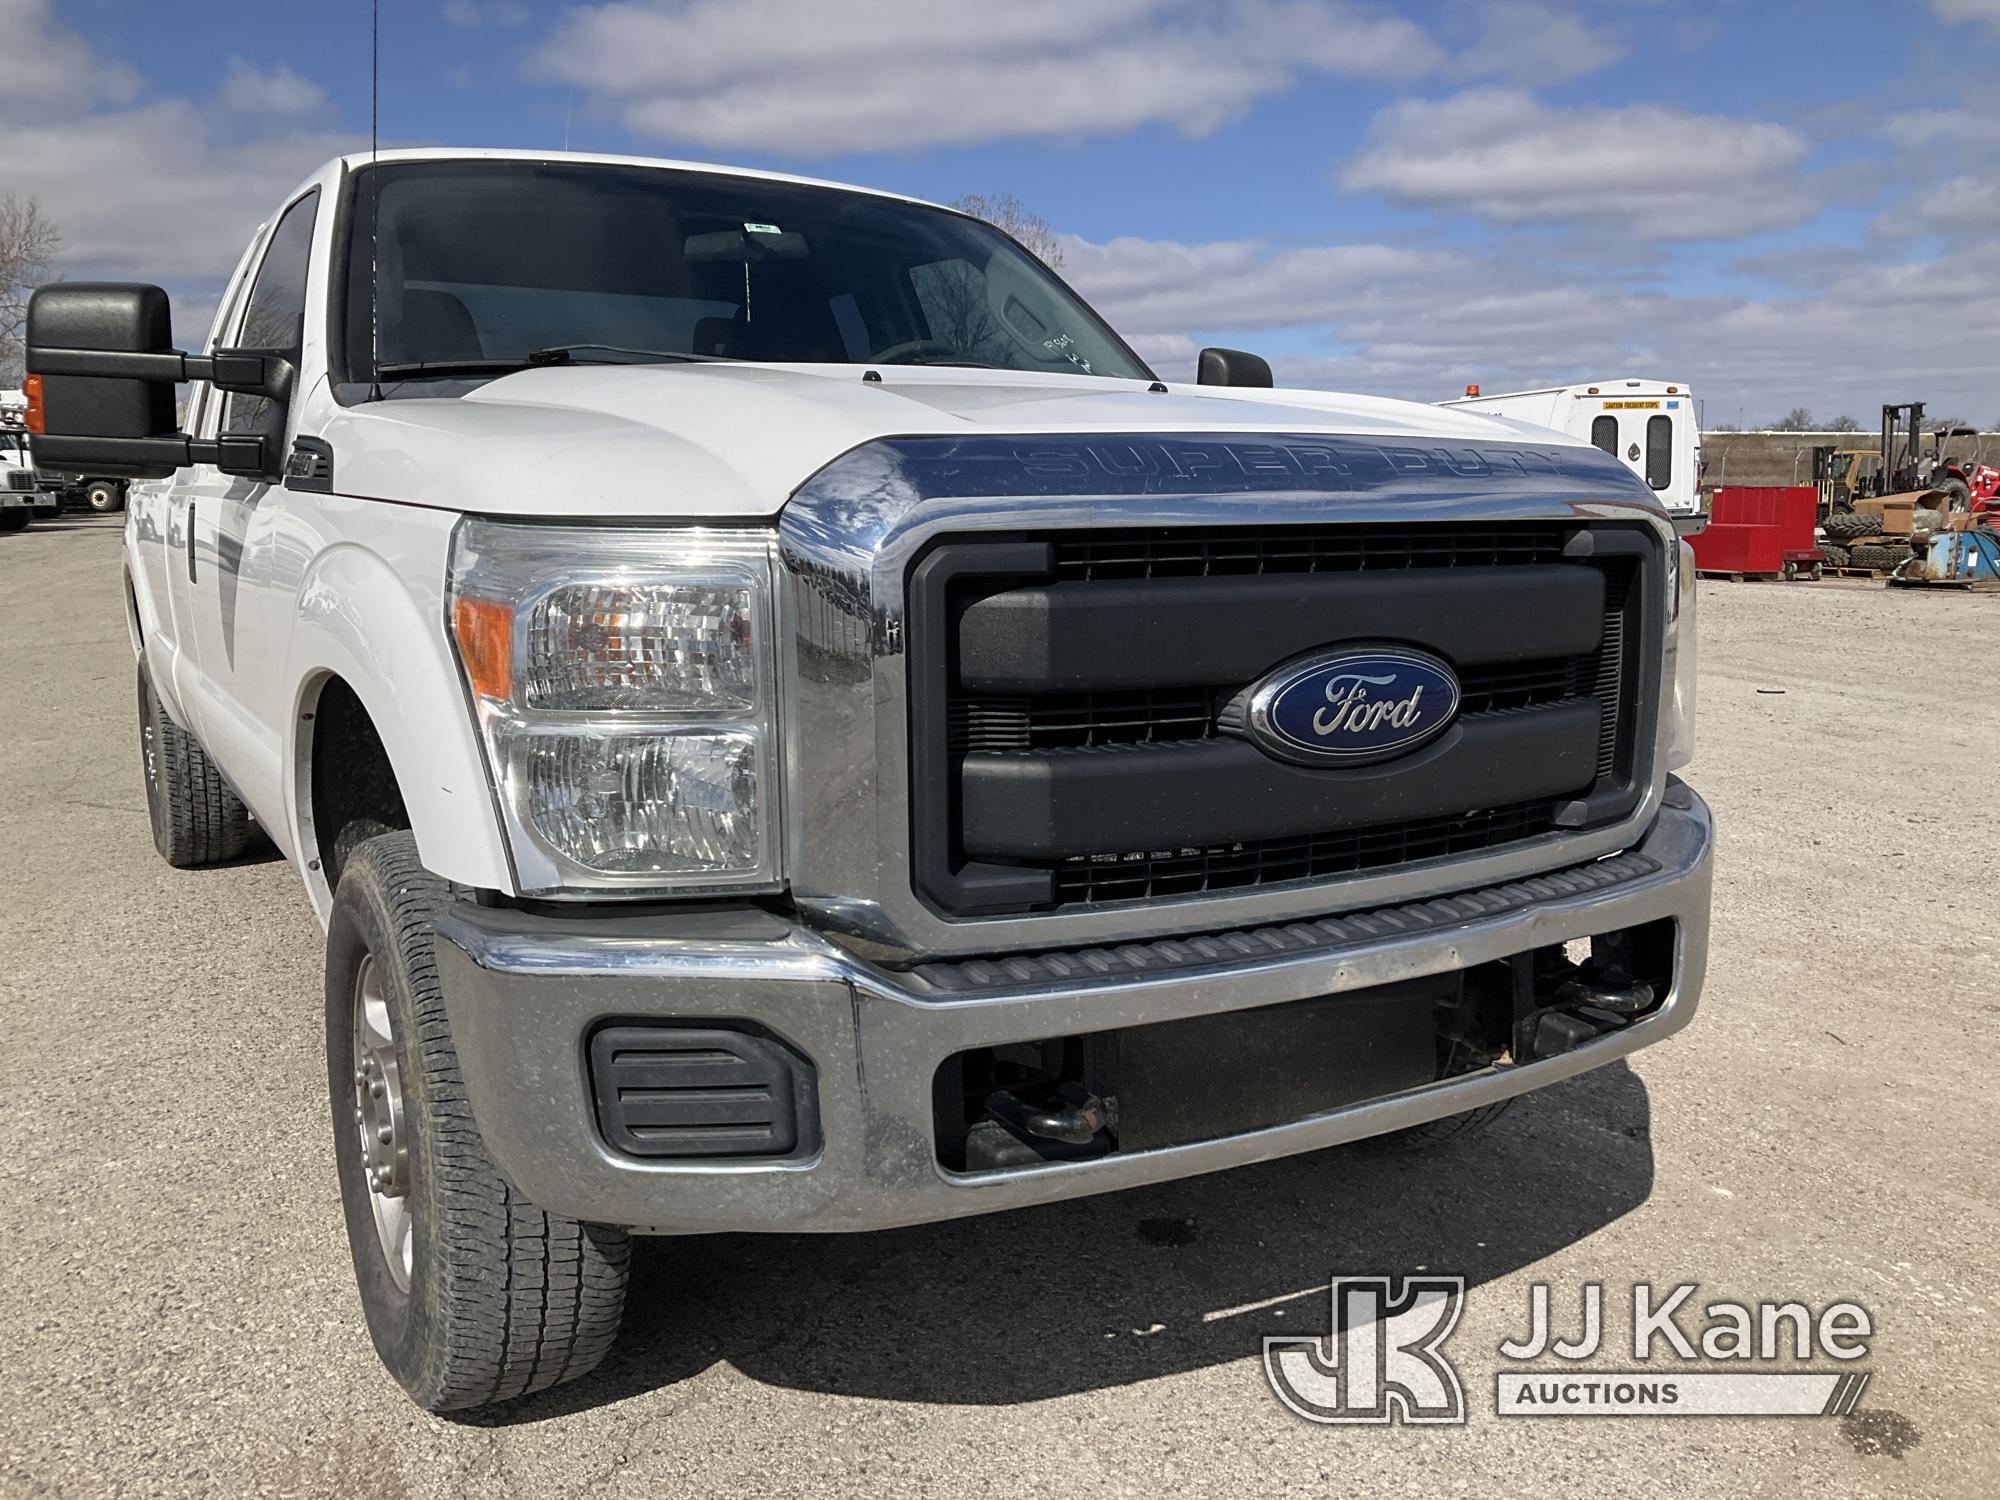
789, 724
22, 495
1651, 426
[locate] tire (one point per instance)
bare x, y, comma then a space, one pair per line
491, 1299
1438, 1132
1881, 556
104, 496
197, 819
1957, 493
14, 518
1833, 555
1848, 525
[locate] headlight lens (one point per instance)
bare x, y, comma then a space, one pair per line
625, 682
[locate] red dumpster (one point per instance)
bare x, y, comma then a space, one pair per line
1758, 529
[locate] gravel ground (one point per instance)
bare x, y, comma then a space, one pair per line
177, 1317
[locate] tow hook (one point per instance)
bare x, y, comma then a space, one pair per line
1586, 1004
1067, 1113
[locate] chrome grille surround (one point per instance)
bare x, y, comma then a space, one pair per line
849, 537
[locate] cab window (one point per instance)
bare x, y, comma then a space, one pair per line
275, 317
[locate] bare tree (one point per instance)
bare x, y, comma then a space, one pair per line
1798, 419
1843, 424
28, 246
1005, 211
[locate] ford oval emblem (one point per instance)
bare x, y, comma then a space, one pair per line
1348, 708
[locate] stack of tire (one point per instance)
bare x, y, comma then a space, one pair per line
1855, 541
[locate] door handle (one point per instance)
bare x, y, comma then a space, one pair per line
190, 537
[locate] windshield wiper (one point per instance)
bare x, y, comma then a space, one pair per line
561, 354
534, 359
956, 362
403, 369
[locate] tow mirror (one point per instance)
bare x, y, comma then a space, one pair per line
102, 400
1233, 367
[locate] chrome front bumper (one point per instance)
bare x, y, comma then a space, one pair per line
523, 994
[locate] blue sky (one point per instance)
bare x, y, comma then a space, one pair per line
1784, 204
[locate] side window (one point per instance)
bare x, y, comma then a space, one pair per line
1659, 452
1604, 434
203, 405
276, 315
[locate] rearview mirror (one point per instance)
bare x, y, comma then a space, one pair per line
1233, 367
761, 243
102, 369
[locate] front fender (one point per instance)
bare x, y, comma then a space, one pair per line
372, 614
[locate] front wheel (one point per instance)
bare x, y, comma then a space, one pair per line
13, 518
472, 1295
104, 497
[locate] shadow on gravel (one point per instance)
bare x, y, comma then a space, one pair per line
1107, 1291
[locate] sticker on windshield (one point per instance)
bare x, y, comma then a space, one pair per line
762, 229
1065, 346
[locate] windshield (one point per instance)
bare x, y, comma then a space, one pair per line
489, 265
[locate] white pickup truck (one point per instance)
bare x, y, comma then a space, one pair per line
789, 725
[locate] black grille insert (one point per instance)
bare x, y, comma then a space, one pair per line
1509, 567
1203, 552
1190, 872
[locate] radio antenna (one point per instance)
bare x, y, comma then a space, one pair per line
375, 205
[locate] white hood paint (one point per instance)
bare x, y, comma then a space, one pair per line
728, 441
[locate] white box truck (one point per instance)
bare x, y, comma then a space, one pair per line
1650, 426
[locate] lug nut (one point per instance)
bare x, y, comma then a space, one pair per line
385, 1135
375, 1090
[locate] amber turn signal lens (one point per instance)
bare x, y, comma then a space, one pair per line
485, 631
36, 420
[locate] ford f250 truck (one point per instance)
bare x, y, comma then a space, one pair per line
789, 725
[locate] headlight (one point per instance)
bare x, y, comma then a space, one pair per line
1680, 644
626, 684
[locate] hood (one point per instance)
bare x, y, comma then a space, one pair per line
735, 440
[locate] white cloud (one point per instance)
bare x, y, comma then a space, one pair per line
905, 74
1987, 11
249, 90
1528, 42
1658, 173
1421, 323
147, 188
470, 14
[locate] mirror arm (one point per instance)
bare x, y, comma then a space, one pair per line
233, 454
249, 373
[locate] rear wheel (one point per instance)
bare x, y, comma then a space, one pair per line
104, 496
1958, 494
472, 1296
197, 819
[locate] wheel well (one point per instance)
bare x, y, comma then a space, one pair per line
354, 790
